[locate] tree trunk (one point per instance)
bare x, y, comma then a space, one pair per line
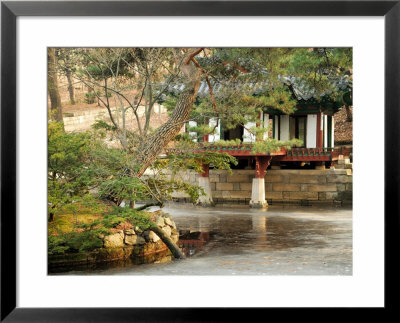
151, 147
168, 241
349, 115
52, 84
70, 87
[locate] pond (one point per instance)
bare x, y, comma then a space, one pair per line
237, 240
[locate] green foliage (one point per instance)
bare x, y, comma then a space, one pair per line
66, 180
119, 215
90, 97
56, 245
271, 145
223, 143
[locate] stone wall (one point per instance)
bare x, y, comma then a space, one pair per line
281, 186
81, 120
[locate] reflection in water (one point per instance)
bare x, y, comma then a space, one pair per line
192, 242
276, 241
156, 258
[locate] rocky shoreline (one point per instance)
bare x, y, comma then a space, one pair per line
132, 244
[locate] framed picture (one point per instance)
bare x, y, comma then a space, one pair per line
371, 28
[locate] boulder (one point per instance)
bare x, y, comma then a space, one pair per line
140, 240
130, 232
114, 240
160, 221
167, 230
132, 240
153, 237
175, 238
168, 221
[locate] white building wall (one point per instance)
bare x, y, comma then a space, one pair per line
216, 135
247, 136
284, 127
191, 133
311, 131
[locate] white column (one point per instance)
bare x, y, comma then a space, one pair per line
325, 130
258, 193
284, 127
311, 130
333, 132
204, 182
276, 134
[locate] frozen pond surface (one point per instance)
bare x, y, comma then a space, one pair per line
280, 240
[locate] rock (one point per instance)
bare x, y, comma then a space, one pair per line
153, 237
140, 240
167, 230
160, 221
132, 240
138, 230
173, 224
130, 232
175, 238
146, 235
168, 221
114, 240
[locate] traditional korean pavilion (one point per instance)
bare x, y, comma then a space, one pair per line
312, 123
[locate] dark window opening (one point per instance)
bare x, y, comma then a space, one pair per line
298, 129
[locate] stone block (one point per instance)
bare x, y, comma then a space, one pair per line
341, 187
237, 178
222, 178
348, 166
303, 187
217, 194
226, 194
339, 179
224, 186
303, 195
245, 186
236, 186
349, 187
212, 186
239, 194
321, 196
268, 187
322, 188
331, 195
274, 195
286, 187
214, 178
308, 179
273, 178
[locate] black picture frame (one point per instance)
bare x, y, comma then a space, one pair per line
10, 10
